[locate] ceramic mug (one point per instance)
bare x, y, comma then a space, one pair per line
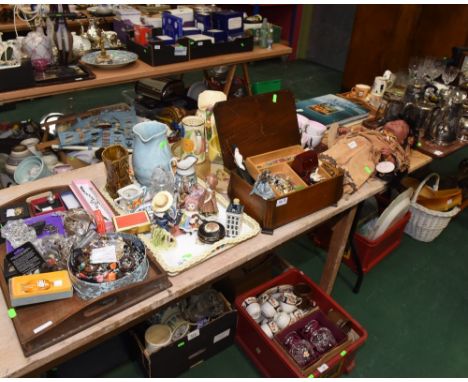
157, 336
360, 91
270, 328
130, 197
269, 307
289, 302
251, 305
179, 326
194, 140
283, 319
380, 85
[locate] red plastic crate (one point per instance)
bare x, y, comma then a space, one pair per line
372, 252
268, 355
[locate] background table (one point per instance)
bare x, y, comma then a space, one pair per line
140, 70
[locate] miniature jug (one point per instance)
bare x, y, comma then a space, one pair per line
150, 150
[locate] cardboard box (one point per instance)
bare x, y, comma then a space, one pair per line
267, 123
197, 346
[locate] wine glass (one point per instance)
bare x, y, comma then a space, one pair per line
435, 68
449, 74
413, 67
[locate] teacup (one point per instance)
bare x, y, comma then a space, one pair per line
264, 298
131, 197
289, 302
251, 305
270, 328
283, 319
360, 91
296, 315
269, 307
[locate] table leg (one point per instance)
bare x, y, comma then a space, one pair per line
338, 243
230, 77
245, 70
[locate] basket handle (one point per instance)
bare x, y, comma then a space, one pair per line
423, 183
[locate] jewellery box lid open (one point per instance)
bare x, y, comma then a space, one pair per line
256, 124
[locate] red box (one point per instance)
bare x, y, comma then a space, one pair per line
372, 252
269, 356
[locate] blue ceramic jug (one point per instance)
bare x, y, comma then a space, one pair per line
150, 150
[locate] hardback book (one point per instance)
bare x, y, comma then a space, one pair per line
328, 109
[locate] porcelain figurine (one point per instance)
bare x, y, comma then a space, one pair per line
208, 205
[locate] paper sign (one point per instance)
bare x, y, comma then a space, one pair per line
103, 255
180, 50
221, 335
193, 334
323, 367
281, 202
42, 327
352, 144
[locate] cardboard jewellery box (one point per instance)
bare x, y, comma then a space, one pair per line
265, 129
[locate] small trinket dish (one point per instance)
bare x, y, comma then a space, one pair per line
211, 232
135, 223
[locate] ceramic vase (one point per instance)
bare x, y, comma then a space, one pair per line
150, 150
115, 159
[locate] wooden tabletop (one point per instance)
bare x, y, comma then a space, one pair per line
13, 363
140, 70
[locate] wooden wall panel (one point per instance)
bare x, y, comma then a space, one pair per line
386, 36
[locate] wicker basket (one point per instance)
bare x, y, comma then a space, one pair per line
426, 224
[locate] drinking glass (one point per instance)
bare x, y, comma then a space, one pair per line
300, 350
449, 74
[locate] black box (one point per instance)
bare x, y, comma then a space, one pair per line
159, 53
197, 346
17, 78
205, 48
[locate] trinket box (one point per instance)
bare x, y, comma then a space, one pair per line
264, 128
19, 211
46, 204
36, 288
138, 222
91, 200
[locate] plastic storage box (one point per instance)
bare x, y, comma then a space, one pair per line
262, 87
372, 252
270, 357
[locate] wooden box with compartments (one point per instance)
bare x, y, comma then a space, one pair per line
265, 130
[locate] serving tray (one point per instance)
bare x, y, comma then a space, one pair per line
188, 251
42, 325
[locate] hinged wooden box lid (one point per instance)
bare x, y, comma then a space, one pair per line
256, 124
